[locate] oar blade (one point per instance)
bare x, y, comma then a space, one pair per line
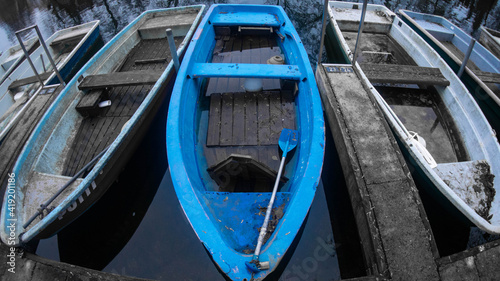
288, 140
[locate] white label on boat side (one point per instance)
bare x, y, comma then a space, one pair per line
339, 69
80, 199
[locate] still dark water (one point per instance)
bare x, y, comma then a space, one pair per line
138, 228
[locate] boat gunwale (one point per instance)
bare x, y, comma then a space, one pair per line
113, 148
395, 124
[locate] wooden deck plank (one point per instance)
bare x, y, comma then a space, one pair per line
239, 119
223, 82
29, 80
116, 79
96, 124
275, 119
213, 134
125, 101
251, 119
288, 110
263, 129
404, 74
487, 77
226, 127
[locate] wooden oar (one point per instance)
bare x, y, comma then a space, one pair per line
288, 140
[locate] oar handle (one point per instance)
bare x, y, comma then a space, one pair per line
263, 229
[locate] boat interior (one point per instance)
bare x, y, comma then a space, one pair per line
106, 97
420, 108
421, 105
238, 122
480, 62
240, 126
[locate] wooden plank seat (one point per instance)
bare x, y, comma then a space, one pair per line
116, 79
29, 80
248, 124
242, 70
404, 74
487, 77
89, 104
70, 37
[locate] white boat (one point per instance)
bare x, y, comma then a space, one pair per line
13, 56
461, 173
67, 47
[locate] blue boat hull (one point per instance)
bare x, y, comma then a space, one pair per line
227, 222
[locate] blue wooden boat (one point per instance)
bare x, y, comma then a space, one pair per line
482, 74
445, 137
245, 77
99, 118
68, 48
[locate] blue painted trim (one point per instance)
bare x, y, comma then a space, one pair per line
242, 70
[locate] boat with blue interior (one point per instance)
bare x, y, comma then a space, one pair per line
245, 80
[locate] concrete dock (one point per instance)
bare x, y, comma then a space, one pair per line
394, 231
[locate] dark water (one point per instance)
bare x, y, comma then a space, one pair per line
138, 228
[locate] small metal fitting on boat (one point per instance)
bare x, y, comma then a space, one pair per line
264, 265
276, 60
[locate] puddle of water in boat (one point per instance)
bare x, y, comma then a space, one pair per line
420, 113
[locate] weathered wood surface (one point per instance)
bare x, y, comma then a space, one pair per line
392, 225
487, 77
116, 79
97, 132
29, 80
89, 103
478, 263
70, 37
249, 118
404, 74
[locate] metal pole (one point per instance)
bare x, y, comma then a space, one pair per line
466, 58
42, 42
360, 31
173, 49
27, 55
323, 30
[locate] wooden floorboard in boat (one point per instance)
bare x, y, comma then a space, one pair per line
98, 132
248, 124
242, 49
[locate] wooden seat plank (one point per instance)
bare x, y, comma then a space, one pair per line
116, 79
404, 74
29, 80
487, 77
